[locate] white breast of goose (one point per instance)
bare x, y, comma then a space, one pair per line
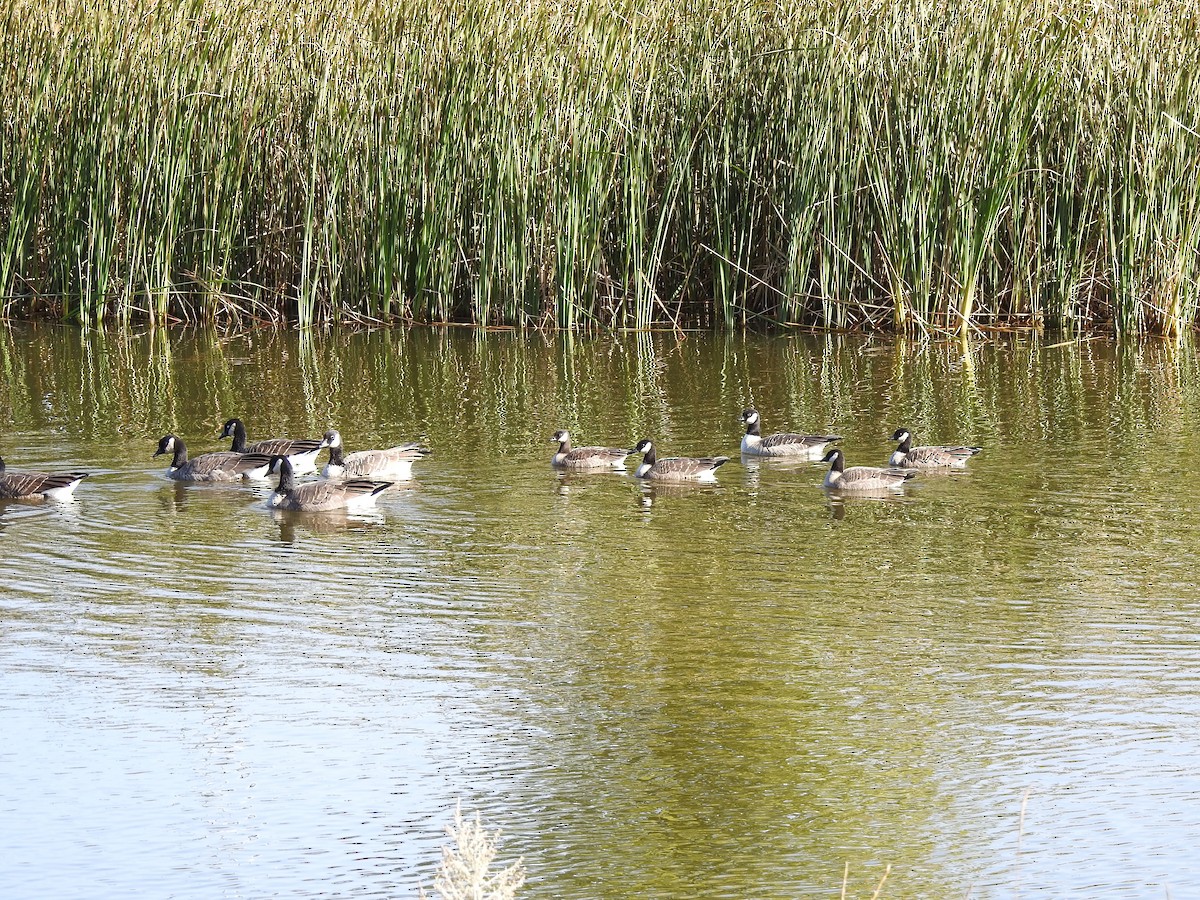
751, 444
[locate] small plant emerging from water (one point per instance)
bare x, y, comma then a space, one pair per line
466, 871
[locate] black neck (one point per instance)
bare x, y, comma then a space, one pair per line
564, 446
838, 462
239, 438
649, 457
906, 444
287, 480
752, 427
335, 455
180, 457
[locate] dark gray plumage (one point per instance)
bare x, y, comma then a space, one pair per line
676, 468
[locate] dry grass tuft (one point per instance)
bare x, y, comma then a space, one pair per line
466, 871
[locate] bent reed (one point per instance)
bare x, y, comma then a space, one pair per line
904, 164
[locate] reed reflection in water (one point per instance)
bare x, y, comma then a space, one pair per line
722, 690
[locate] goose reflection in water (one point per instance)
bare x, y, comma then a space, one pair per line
295, 525
176, 496
651, 492
839, 501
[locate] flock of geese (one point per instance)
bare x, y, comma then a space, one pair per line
354, 480
904, 463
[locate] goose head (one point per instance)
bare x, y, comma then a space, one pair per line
166, 444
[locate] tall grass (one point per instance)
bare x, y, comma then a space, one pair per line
902, 164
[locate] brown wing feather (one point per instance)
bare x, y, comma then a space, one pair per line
804, 440
216, 466
19, 485
687, 466
867, 477
283, 446
325, 495
365, 462
933, 456
595, 456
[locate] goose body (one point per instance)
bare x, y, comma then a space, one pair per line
38, 485
321, 496
676, 468
223, 465
302, 452
906, 456
793, 446
394, 462
862, 479
581, 458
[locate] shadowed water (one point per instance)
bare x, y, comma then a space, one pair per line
989, 682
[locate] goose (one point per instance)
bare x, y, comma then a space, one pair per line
321, 496
676, 468
861, 478
38, 485
585, 457
223, 465
302, 452
795, 446
394, 462
906, 456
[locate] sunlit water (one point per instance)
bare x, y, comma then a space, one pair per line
990, 683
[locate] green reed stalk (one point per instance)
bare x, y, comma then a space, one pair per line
902, 164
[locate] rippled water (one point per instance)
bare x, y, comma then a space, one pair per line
989, 683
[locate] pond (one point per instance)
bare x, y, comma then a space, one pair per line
989, 682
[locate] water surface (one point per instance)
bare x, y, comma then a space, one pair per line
988, 682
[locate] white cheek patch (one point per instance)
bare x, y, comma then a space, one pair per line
752, 419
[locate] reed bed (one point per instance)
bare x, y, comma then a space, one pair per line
901, 164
